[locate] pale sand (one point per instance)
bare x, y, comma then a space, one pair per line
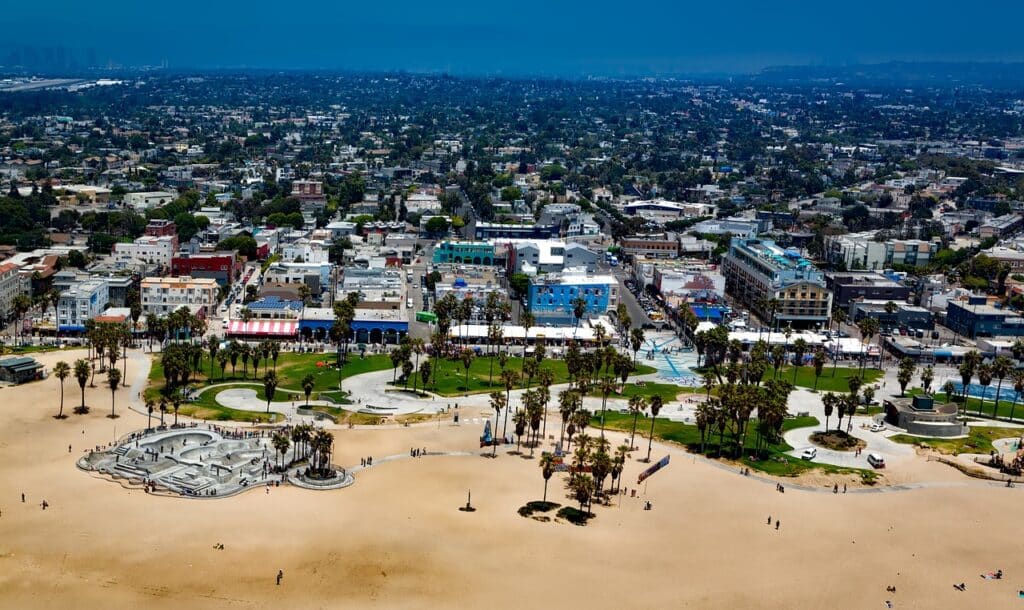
395, 539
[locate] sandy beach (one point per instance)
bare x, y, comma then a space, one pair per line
395, 538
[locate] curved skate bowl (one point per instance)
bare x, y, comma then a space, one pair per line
200, 462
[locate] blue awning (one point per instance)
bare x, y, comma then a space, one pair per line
943, 353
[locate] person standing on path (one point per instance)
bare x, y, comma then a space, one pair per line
280, 575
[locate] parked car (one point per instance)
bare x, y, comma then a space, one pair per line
877, 427
809, 454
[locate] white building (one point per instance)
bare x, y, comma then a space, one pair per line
145, 201
81, 302
152, 250
422, 203
306, 251
11, 285
161, 295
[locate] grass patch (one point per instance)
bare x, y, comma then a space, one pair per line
831, 380
979, 440
667, 391
449, 376
975, 407
837, 440
772, 459
537, 507
574, 515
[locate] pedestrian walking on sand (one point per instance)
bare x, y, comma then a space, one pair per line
776, 524
769, 519
22, 497
280, 575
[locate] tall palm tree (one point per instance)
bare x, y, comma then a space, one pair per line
281, 443
61, 371
82, 371
828, 400
113, 380
519, 422
636, 341
637, 404
308, 383
510, 378
655, 407
1001, 367
1018, 388
526, 320
269, 386
547, 468
149, 413
467, 356
985, 380
498, 402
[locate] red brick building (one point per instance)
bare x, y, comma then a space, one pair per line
224, 267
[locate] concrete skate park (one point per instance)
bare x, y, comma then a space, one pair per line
197, 461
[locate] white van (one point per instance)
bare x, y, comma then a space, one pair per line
876, 460
408, 303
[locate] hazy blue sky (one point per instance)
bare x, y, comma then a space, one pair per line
545, 37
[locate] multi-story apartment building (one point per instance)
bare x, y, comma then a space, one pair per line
464, 252
152, 250
11, 285
759, 273
162, 295
863, 251
221, 266
650, 246
80, 302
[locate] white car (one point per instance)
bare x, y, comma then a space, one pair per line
809, 454
877, 427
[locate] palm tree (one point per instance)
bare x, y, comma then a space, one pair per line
269, 386
519, 422
868, 329
1018, 387
510, 378
637, 404
214, 347
799, 349
21, 304
61, 371
636, 341
149, 413
567, 403
495, 333
607, 387
985, 379
163, 410
655, 407
467, 356
579, 309
927, 375
222, 361
828, 400
281, 443
82, 370
113, 380
416, 345
547, 468
1001, 367
498, 402
308, 383
820, 359
526, 320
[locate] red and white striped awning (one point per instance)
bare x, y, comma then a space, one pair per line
270, 328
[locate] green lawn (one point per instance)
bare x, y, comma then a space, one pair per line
773, 461
667, 391
827, 382
1006, 407
978, 441
449, 376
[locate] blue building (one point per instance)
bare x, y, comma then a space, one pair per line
464, 252
551, 296
976, 318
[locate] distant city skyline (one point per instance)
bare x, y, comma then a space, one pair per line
527, 38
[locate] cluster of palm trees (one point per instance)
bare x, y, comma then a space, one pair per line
999, 369
264, 351
313, 444
591, 465
177, 325
407, 357
108, 342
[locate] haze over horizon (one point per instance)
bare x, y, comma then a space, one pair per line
531, 38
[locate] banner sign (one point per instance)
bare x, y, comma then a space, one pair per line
654, 468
